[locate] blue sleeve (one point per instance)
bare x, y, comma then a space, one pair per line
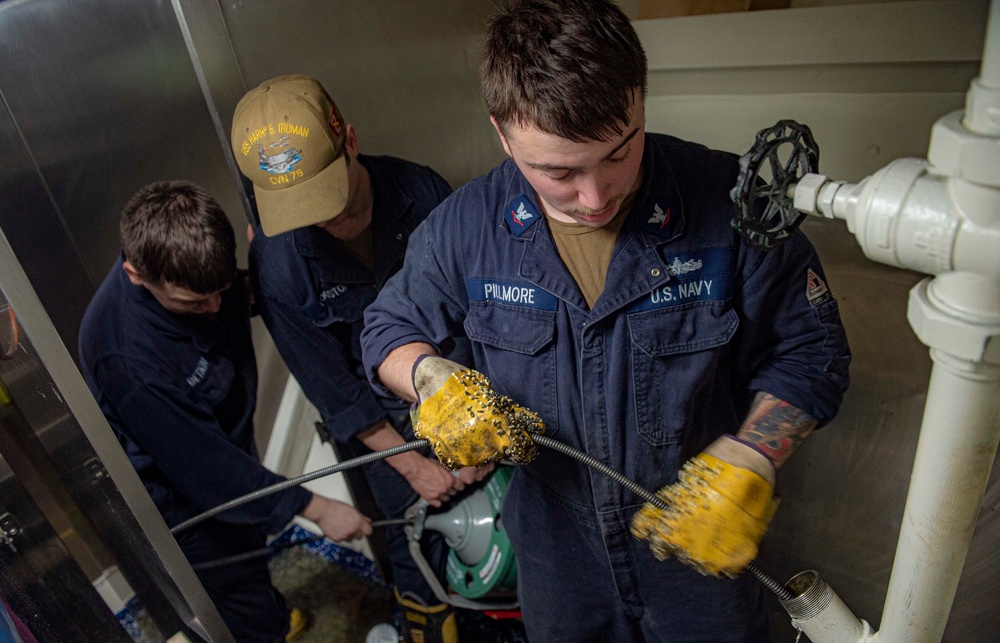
793, 344
193, 452
423, 302
318, 360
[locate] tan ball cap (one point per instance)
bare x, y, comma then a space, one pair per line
288, 138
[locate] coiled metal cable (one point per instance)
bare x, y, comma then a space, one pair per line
771, 584
294, 482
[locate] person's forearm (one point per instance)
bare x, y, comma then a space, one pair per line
396, 371
381, 436
776, 428
384, 436
314, 509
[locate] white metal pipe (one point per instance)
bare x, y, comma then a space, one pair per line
983, 99
989, 75
820, 614
957, 446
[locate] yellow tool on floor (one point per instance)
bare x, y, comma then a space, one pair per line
298, 623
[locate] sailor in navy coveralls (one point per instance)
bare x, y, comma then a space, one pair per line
313, 295
333, 228
689, 337
167, 353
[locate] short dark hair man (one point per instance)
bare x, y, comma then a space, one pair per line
165, 348
335, 224
601, 285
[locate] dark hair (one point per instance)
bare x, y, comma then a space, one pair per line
175, 231
566, 67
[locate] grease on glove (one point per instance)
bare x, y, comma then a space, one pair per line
470, 424
716, 515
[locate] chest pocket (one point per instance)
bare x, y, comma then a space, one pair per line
513, 345
337, 302
210, 379
675, 357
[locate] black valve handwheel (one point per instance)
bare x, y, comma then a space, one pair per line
766, 216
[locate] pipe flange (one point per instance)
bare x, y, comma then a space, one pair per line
955, 151
941, 321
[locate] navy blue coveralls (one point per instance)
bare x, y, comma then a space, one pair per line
690, 325
179, 391
313, 294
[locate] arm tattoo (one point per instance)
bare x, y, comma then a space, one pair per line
776, 427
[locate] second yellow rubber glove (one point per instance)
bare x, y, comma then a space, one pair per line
717, 511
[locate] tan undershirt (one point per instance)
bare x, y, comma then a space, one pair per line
586, 251
362, 249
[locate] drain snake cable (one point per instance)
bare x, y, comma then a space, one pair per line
769, 583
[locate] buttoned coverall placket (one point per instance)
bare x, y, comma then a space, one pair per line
635, 270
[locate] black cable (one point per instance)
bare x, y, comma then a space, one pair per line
771, 584
294, 482
256, 553
276, 548
599, 466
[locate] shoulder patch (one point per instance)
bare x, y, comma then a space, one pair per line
520, 215
816, 291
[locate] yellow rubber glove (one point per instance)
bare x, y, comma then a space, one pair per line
467, 422
718, 510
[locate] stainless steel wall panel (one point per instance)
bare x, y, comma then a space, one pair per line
204, 32
29, 217
104, 95
38, 577
404, 73
59, 445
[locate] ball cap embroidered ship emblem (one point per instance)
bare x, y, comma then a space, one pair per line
288, 138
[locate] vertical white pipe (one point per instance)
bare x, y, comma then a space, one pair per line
957, 446
982, 102
989, 75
